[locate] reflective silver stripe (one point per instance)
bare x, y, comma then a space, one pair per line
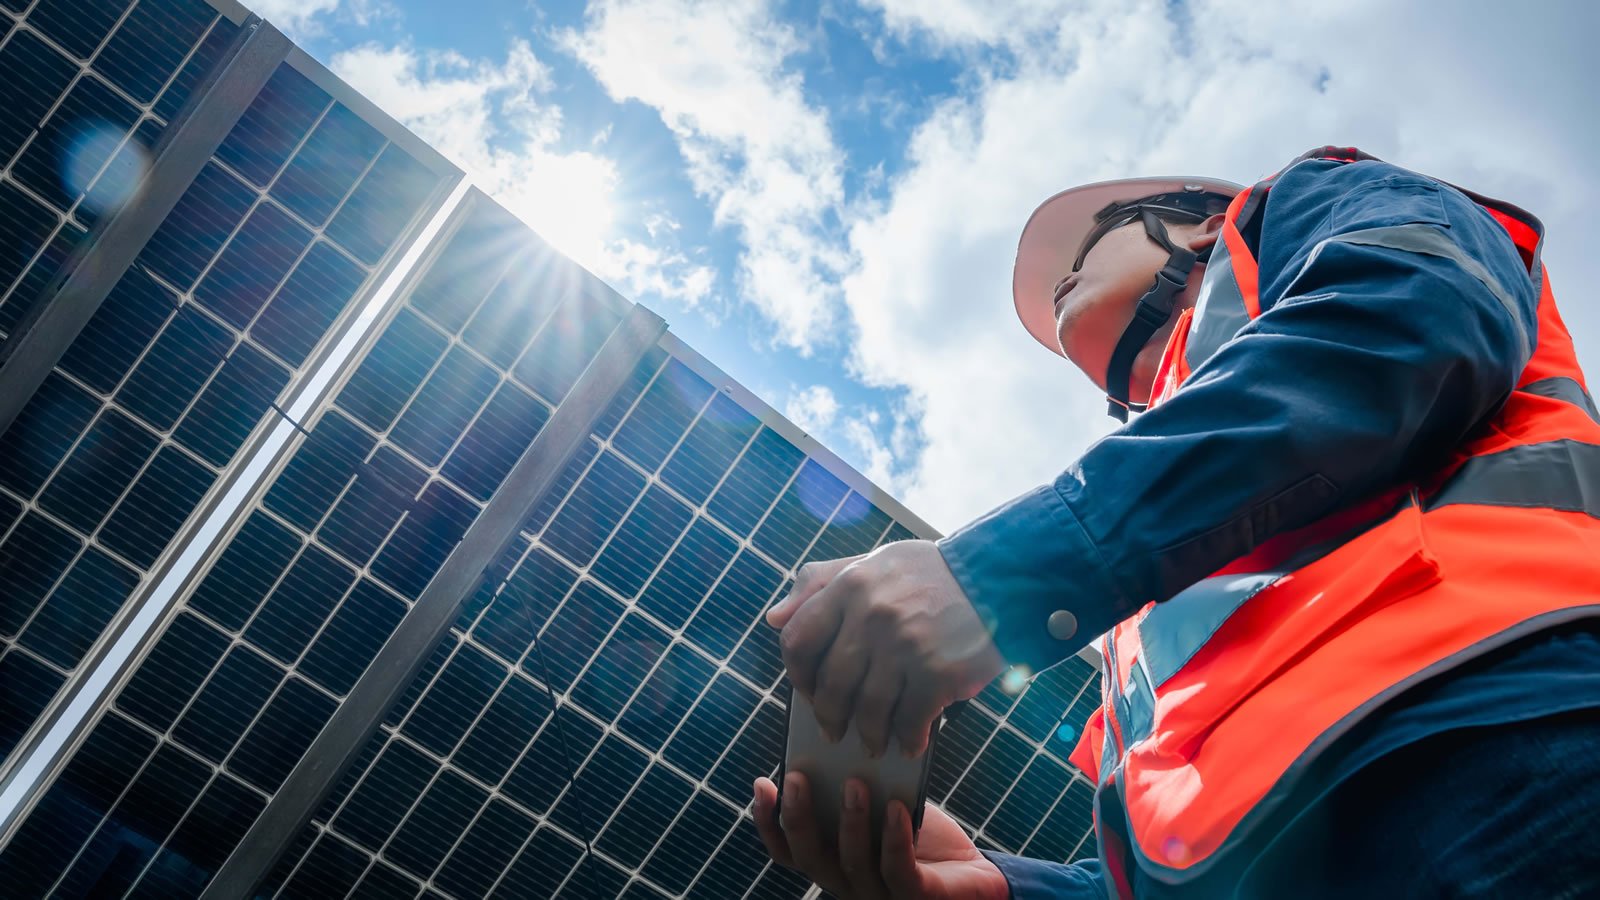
1420, 237
1139, 704
1108, 755
1175, 629
1562, 475
1219, 310
1561, 387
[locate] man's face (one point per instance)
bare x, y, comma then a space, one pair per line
1094, 304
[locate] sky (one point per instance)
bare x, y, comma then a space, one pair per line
825, 198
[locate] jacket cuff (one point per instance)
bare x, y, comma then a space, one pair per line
1035, 878
1036, 580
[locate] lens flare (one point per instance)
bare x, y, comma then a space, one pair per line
1176, 850
87, 153
853, 510
692, 390
818, 490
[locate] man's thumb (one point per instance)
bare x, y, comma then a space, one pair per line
782, 611
812, 577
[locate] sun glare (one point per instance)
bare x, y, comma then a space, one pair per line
567, 199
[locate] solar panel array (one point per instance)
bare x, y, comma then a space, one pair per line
210, 326
591, 724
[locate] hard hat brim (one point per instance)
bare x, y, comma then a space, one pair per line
1054, 232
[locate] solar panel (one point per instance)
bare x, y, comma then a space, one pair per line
590, 724
148, 407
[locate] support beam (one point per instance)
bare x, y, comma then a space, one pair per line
427, 622
193, 135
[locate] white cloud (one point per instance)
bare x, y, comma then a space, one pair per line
876, 459
966, 22
647, 270
879, 445
493, 120
292, 14
883, 460
1478, 94
813, 408
302, 19
715, 70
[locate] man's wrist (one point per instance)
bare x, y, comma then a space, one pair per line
1028, 878
1034, 578
1002, 884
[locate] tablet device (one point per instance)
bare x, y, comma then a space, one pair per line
827, 765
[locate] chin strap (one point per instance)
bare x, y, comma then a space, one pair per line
1153, 311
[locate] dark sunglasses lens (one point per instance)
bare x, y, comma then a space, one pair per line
1105, 227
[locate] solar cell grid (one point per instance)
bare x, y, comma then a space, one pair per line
746, 732
327, 165
585, 631
1063, 831
594, 877
663, 871
33, 250
91, 123
980, 789
1030, 796
643, 540
688, 573
1039, 711
758, 657
35, 557
95, 87
207, 213
1031, 802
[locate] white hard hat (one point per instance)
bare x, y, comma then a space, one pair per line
1055, 232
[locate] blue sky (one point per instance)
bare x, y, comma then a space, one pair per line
825, 198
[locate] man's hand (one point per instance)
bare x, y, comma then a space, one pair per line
941, 863
887, 639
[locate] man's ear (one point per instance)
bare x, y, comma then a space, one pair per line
1206, 233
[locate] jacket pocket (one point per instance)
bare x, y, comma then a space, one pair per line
1392, 200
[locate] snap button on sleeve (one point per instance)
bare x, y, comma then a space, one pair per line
1062, 625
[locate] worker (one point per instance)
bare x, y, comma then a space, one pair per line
1347, 566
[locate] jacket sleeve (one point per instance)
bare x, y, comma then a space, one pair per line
1398, 317
1033, 879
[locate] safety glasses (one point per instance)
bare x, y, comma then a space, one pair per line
1188, 207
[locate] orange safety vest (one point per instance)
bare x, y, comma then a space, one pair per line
1216, 702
